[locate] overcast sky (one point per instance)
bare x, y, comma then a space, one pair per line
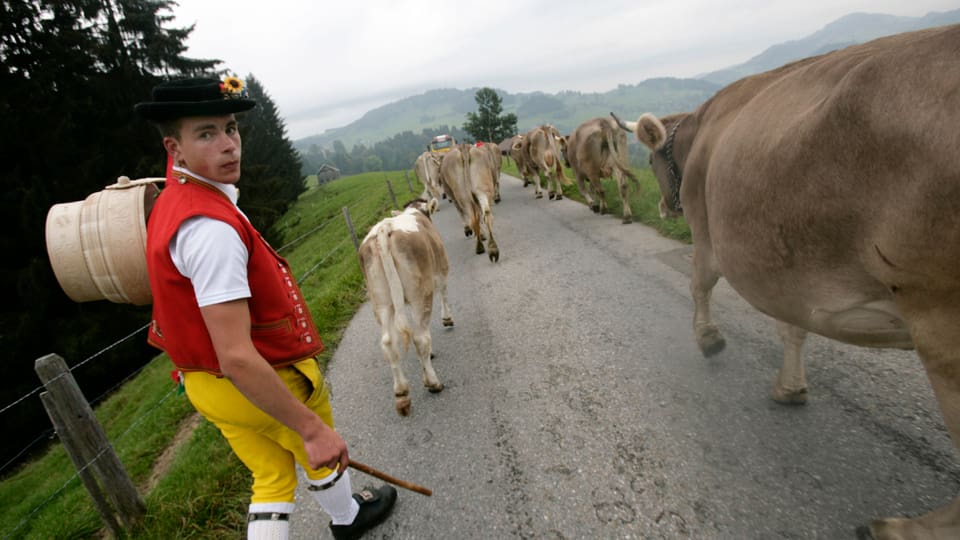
325, 63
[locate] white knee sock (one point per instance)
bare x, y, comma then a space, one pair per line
337, 500
273, 522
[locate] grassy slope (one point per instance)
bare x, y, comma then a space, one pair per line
205, 491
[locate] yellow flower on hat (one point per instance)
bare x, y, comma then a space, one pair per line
233, 88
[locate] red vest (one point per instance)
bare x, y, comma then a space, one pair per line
282, 329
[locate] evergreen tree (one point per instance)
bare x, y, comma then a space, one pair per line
487, 124
73, 71
271, 178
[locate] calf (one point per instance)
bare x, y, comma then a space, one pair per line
404, 262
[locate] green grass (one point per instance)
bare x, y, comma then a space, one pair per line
643, 202
205, 491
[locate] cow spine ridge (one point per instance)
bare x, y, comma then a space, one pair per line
393, 283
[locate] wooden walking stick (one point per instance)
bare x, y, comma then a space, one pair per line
387, 478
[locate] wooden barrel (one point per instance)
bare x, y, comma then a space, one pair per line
97, 247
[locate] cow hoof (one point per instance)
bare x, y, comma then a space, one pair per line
595, 208
627, 220
710, 341
538, 196
496, 199
494, 255
525, 183
551, 195
480, 249
559, 196
787, 396
402, 403
468, 232
435, 388
448, 321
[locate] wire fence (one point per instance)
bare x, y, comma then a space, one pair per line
48, 434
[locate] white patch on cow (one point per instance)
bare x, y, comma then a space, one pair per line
406, 222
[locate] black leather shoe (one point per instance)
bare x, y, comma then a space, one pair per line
375, 506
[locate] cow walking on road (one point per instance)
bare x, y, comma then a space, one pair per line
544, 157
827, 193
427, 170
404, 262
598, 149
467, 173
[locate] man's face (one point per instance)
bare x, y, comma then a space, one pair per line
208, 146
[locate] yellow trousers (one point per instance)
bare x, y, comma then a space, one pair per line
268, 448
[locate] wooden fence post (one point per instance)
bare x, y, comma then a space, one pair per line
353, 233
88, 446
393, 196
409, 184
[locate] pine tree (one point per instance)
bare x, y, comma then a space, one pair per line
271, 178
73, 71
487, 124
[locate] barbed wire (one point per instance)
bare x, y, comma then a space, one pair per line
87, 465
139, 420
98, 353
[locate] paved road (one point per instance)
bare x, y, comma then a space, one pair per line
578, 406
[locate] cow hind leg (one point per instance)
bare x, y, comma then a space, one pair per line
391, 345
601, 196
537, 191
790, 386
585, 193
702, 282
487, 216
933, 322
440, 284
424, 343
624, 196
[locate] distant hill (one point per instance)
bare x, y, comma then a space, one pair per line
845, 31
566, 110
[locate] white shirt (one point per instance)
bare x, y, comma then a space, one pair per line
211, 254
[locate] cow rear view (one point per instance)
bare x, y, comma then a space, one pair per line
404, 263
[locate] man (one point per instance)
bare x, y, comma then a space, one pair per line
231, 317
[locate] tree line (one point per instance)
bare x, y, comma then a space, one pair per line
73, 71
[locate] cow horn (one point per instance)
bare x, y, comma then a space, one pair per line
626, 126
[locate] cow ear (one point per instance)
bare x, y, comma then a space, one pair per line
650, 131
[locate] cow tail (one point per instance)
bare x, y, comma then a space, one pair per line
610, 134
393, 283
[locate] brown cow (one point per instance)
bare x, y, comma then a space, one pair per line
827, 193
404, 262
541, 147
595, 150
427, 170
496, 163
520, 152
466, 171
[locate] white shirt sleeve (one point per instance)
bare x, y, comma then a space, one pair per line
211, 254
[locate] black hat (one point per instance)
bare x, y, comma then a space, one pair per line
195, 97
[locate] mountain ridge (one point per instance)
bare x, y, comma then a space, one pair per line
566, 109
